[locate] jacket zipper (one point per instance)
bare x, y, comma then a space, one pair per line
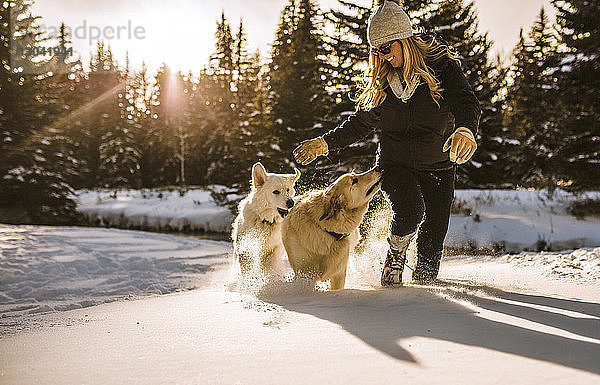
411, 143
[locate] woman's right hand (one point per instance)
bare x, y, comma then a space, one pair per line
310, 149
462, 145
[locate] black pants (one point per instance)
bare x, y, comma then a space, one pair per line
421, 200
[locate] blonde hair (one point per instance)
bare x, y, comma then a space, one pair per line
416, 52
379, 2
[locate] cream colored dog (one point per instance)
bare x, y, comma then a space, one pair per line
322, 226
256, 231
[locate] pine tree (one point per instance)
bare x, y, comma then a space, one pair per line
492, 164
224, 49
247, 139
297, 94
579, 101
259, 123
204, 133
240, 64
137, 106
340, 68
222, 101
169, 122
456, 22
530, 107
240, 138
148, 134
231, 103
346, 49
100, 118
106, 82
32, 150
119, 155
63, 103
347, 52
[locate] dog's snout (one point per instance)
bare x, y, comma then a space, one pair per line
290, 203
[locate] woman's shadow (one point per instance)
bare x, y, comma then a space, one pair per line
565, 332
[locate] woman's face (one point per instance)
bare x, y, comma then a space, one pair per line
395, 57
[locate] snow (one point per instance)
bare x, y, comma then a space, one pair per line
155, 210
580, 264
490, 319
511, 220
100, 305
61, 268
521, 220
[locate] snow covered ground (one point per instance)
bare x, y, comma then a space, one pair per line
521, 220
155, 210
489, 219
99, 305
528, 318
61, 268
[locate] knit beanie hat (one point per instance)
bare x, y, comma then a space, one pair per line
388, 22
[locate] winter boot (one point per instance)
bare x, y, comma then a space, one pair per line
427, 269
391, 276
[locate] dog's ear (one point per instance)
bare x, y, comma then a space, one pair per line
259, 174
296, 174
333, 207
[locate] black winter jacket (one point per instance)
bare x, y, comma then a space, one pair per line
412, 134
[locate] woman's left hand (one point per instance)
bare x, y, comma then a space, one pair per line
461, 144
310, 150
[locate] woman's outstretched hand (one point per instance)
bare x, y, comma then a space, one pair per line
310, 149
461, 144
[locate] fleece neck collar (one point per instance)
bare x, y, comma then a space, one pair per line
401, 92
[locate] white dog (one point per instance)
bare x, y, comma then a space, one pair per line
256, 232
323, 226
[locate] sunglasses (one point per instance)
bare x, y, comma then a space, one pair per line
384, 49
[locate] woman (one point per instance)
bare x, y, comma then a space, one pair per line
415, 95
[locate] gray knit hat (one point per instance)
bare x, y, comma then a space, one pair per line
388, 22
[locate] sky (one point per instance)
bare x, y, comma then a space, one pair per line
181, 32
